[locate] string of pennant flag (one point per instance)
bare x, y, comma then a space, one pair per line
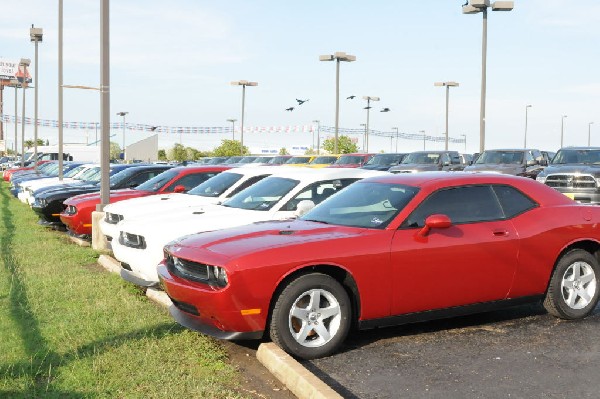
311, 128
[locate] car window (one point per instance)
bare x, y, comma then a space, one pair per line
217, 185
513, 201
263, 195
142, 177
465, 204
191, 180
317, 192
157, 182
250, 181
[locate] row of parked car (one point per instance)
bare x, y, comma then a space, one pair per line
303, 253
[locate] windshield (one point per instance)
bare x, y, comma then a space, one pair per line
158, 181
385, 159
74, 171
501, 157
349, 160
363, 204
278, 160
216, 185
324, 160
295, 160
92, 174
263, 195
117, 178
422, 158
583, 156
262, 159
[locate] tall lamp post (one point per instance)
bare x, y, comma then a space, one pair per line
423, 133
15, 83
368, 108
590, 133
232, 127
35, 35
464, 136
318, 122
448, 86
25, 62
526, 109
338, 56
396, 129
481, 6
243, 83
364, 125
562, 129
123, 113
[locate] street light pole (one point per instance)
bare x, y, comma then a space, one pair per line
123, 113
448, 85
481, 6
562, 129
338, 56
25, 62
590, 133
243, 83
396, 129
465, 139
15, 84
526, 109
35, 35
368, 108
423, 133
318, 136
364, 136
60, 90
232, 127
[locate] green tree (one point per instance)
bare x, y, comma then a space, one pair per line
115, 150
230, 148
28, 143
177, 153
284, 151
162, 155
345, 145
310, 151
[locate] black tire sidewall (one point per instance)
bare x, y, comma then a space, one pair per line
562, 266
287, 298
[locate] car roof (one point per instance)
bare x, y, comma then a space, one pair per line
325, 173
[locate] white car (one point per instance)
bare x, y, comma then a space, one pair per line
79, 173
213, 191
284, 195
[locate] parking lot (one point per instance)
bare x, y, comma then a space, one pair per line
516, 353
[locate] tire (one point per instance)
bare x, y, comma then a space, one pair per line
573, 289
310, 331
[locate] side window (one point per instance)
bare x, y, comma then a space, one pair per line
466, 204
444, 159
528, 156
190, 181
246, 184
317, 192
513, 201
142, 177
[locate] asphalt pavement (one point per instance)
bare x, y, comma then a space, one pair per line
521, 352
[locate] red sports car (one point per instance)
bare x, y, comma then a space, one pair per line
77, 215
389, 250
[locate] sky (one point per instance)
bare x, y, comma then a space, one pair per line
172, 64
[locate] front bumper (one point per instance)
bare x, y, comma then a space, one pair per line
215, 312
130, 276
141, 262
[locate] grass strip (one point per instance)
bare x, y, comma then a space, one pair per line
70, 330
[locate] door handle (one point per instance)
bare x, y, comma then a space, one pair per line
500, 233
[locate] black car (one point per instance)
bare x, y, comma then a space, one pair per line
426, 161
384, 161
49, 204
519, 162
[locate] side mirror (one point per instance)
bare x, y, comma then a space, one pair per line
532, 162
437, 221
179, 189
303, 207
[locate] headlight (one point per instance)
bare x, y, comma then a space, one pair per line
112, 218
70, 210
541, 179
132, 240
215, 276
597, 181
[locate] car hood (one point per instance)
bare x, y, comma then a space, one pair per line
239, 241
505, 168
573, 168
115, 195
416, 167
153, 204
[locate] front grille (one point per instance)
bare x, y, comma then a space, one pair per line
187, 269
571, 181
112, 218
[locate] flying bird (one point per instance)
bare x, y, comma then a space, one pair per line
367, 107
385, 110
350, 97
300, 102
289, 109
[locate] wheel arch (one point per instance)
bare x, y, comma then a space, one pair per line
340, 274
589, 245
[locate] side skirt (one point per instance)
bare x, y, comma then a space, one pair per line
446, 313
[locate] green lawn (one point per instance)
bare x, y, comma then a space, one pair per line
68, 329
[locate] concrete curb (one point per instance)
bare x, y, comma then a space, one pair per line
79, 241
296, 378
110, 264
160, 297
